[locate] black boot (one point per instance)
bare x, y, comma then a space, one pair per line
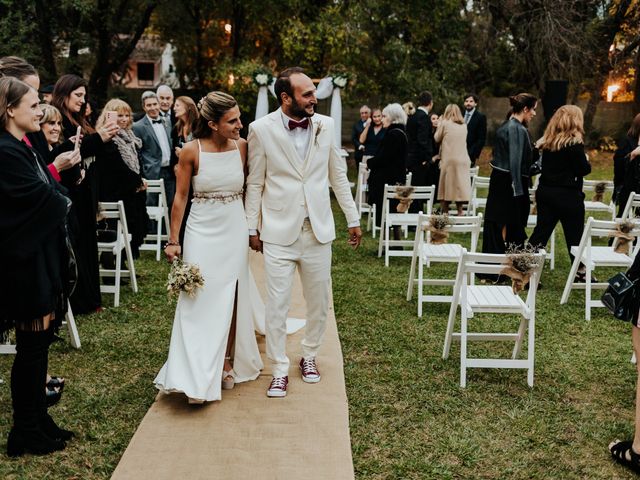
28, 396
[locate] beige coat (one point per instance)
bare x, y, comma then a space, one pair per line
280, 190
455, 183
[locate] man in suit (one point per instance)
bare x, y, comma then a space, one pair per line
165, 98
292, 162
356, 130
476, 127
156, 147
420, 147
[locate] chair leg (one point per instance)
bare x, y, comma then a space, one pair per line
463, 346
381, 242
412, 273
74, 337
132, 267
553, 250
116, 282
587, 294
572, 274
517, 348
420, 286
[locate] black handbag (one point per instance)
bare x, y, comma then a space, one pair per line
621, 297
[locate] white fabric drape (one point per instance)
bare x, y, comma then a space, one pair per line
336, 114
324, 88
262, 107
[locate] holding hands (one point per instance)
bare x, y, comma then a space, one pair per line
255, 243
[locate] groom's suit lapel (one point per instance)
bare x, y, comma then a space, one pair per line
283, 139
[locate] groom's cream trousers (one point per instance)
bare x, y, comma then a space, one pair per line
313, 260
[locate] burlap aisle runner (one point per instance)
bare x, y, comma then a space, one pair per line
248, 436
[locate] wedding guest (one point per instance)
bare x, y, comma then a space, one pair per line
626, 172
388, 165
156, 147
186, 113
419, 133
51, 126
82, 182
476, 127
559, 196
508, 204
454, 185
119, 173
46, 92
372, 135
91, 112
34, 279
165, 100
356, 130
409, 108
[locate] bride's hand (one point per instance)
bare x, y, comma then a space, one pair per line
172, 252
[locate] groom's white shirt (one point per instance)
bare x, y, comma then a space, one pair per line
282, 189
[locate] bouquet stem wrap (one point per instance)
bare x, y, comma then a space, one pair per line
598, 192
622, 233
403, 195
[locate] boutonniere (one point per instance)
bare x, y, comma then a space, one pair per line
318, 130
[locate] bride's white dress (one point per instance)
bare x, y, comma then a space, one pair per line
216, 239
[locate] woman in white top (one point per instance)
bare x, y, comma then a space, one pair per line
213, 342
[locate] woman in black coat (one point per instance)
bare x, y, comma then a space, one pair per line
119, 175
626, 170
388, 165
69, 96
559, 196
34, 280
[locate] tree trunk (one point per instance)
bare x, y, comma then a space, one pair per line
636, 91
46, 43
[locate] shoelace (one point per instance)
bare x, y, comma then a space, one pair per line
309, 366
279, 383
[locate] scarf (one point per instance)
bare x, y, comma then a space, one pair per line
128, 145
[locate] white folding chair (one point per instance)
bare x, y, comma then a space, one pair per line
423, 195
160, 214
115, 210
596, 256
478, 201
474, 299
74, 338
589, 187
632, 207
426, 253
532, 221
363, 207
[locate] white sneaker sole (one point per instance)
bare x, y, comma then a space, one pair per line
276, 394
311, 379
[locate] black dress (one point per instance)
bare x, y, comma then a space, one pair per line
86, 297
626, 172
559, 196
508, 202
119, 182
32, 237
388, 166
373, 141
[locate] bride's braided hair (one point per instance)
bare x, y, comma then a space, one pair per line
212, 107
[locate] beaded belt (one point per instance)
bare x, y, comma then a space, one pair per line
213, 197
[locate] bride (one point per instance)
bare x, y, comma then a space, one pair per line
213, 344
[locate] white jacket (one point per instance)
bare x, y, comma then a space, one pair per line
279, 185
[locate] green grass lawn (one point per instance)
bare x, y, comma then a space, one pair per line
409, 418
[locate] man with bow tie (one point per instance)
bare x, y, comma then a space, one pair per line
292, 162
165, 99
156, 147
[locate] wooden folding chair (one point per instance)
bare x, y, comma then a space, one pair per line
474, 299
596, 256
423, 195
426, 253
115, 210
160, 214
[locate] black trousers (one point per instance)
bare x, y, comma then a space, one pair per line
29, 376
558, 204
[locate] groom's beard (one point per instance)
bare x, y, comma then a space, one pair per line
300, 112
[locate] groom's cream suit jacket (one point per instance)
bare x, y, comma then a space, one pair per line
282, 189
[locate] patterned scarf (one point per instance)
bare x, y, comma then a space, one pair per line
128, 145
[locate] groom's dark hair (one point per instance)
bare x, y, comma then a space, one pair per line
283, 82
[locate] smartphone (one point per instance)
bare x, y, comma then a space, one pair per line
77, 142
111, 116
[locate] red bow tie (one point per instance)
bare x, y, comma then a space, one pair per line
304, 124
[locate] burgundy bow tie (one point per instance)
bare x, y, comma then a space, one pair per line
304, 124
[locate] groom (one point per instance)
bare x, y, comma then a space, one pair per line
292, 161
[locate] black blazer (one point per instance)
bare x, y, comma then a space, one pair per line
356, 130
476, 135
388, 166
419, 133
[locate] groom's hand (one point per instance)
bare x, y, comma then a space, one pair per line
255, 243
355, 237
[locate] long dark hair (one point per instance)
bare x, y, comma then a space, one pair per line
62, 91
192, 114
634, 129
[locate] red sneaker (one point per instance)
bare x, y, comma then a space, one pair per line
278, 387
310, 373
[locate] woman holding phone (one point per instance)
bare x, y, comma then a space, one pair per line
119, 174
69, 97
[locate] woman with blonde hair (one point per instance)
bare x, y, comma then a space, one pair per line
559, 196
451, 134
119, 172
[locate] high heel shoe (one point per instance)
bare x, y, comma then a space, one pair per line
49, 427
56, 382
53, 395
228, 379
31, 441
